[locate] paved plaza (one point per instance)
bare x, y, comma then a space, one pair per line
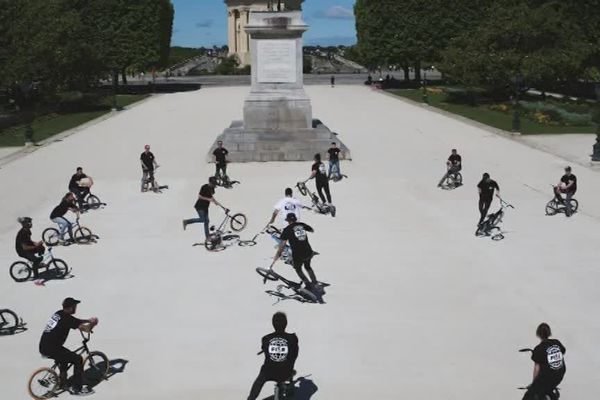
418, 307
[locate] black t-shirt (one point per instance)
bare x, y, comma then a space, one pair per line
23, 238
148, 160
321, 175
570, 178
455, 160
61, 209
281, 351
57, 330
74, 179
220, 154
296, 235
205, 191
334, 154
487, 189
549, 354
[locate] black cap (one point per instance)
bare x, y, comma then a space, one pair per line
291, 217
568, 168
70, 302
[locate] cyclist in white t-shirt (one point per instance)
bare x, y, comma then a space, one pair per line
285, 206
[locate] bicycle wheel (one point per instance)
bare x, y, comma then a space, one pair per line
219, 180
83, 235
267, 274
457, 178
308, 295
8, 321
551, 208
20, 271
247, 243
58, 267
229, 238
574, 205
95, 367
43, 384
214, 245
301, 188
238, 222
93, 202
51, 236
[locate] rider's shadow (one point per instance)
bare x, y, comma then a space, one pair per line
304, 389
20, 328
115, 366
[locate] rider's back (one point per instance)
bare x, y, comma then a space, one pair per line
281, 351
549, 354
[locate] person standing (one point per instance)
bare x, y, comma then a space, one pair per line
321, 180
568, 186
296, 233
332, 80
281, 351
220, 155
27, 248
58, 214
453, 166
149, 164
486, 187
549, 365
53, 340
205, 197
333, 154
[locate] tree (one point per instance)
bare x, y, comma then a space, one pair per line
534, 44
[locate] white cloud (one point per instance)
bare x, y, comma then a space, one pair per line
335, 12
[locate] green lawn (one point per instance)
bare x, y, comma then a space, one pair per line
49, 125
483, 114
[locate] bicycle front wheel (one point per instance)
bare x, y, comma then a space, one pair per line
83, 235
20, 271
93, 202
43, 384
574, 205
267, 274
51, 237
95, 367
551, 208
238, 222
8, 321
58, 267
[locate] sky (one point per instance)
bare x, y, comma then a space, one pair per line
204, 22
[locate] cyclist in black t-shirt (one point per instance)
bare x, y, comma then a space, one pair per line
549, 368
568, 186
27, 248
149, 164
321, 180
79, 191
453, 166
53, 340
58, 214
281, 350
205, 197
296, 234
220, 154
486, 194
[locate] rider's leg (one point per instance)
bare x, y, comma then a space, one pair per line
64, 357
327, 193
35, 262
320, 187
330, 169
298, 267
310, 271
144, 180
202, 218
63, 225
484, 206
568, 196
257, 386
558, 195
446, 175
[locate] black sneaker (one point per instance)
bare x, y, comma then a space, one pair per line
84, 391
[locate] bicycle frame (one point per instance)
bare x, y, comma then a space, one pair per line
83, 349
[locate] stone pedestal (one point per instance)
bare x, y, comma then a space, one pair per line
278, 123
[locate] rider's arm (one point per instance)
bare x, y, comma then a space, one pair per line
88, 324
273, 217
569, 184
30, 247
536, 370
280, 250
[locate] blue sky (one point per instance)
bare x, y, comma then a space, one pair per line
204, 22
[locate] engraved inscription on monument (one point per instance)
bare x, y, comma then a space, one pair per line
276, 61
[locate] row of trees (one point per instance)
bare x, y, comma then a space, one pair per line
72, 44
484, 43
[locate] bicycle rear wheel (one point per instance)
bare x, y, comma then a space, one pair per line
574, 205
238, 222
267, 274
20, 271
93, 202
83, 235
51, 236
551, 208
43, 384
8, 321
95, 367
58, 267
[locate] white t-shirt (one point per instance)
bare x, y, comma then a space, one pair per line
288, 205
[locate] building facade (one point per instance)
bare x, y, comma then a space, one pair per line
238, 15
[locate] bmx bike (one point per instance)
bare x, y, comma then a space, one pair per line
220, 238
491, 225
224, 181
90, 202
295, 290
317, 206
45, 382
553, 395
151, 184
80, 235
9, 322
452, 181
21, 271
555, 206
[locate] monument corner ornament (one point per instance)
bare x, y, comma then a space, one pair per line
278, 124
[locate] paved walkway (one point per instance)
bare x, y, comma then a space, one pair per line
418, 307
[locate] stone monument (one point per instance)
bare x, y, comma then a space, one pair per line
278, 123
